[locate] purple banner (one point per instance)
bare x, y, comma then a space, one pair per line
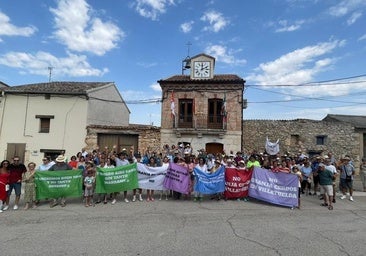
177, 178
277, 188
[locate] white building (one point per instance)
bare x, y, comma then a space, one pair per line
47, 118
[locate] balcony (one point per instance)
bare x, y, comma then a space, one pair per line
201, 122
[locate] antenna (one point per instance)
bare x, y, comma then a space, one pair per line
50, 68
186, 63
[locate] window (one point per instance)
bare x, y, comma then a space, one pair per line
321, 139
215, 117
185, 113
44, 123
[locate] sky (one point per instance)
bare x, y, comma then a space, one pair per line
299, 58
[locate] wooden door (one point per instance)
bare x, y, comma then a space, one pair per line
15, 149
214, 148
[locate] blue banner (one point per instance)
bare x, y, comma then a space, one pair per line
277, 188
207, 183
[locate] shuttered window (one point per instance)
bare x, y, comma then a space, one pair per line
44, 123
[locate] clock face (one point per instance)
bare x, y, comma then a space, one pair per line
201, 69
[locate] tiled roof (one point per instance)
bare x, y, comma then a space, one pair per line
356, 121
216, 78
56, 87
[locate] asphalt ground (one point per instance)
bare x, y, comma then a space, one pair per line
182, 227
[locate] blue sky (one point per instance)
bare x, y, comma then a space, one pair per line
300, 58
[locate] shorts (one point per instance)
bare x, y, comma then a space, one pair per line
17, 187
327, 189
345, 184
88, 192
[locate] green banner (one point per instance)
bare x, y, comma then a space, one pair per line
55, 184
117, 179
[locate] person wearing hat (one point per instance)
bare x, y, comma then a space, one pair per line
326, 184
347, 170
60, 165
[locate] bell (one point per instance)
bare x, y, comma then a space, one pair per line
187, 64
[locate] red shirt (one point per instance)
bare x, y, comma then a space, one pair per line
16, 172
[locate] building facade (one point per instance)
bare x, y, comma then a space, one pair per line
202, 109
49, 118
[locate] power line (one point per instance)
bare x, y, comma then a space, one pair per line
316, 83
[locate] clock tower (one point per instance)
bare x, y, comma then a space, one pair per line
202, 109
202, 67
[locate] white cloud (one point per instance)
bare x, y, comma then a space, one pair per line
80, 31
345, 7
286, 27
354, 17
222, 54
362, 37
8, 29
297, 67
216, 20
156, 87
152, 8
72, 65
186, 27
147, 65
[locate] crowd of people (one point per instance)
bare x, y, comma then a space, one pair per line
317, 175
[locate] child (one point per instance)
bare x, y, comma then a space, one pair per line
298, 173
89, 182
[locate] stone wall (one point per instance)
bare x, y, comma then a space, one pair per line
301, 135
294, 136
148, 136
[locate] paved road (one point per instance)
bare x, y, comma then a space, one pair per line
187, 228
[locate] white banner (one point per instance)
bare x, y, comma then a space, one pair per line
151, 177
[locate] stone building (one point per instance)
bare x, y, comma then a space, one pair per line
141, 138
202, 109
335, 133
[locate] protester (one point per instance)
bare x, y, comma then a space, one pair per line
150, 192
326, 183
16, 170
137, 159
333, 170
89, 183
252, 162
73, 162
60, 165
29, 187
201, 166
306, 172
46, 164
4, 182
346, 178
363, 173
164, 192
298, 173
